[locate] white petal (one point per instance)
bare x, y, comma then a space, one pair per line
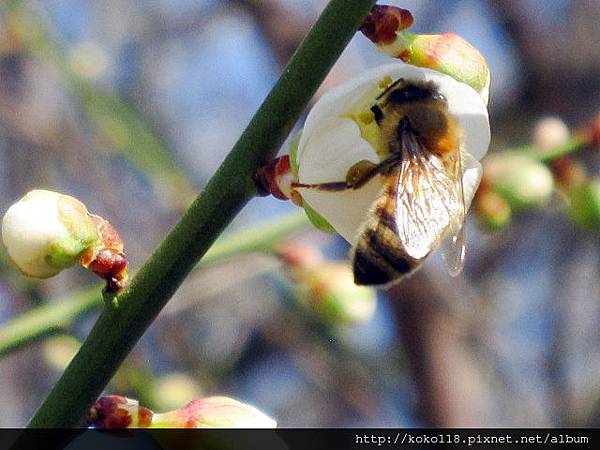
328, 157
28, 227
471, 178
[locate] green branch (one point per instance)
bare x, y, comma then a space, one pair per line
573, 145
124, 321
55, 316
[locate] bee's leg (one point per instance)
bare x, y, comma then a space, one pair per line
357, 176
363, 171
331, 186
360, 173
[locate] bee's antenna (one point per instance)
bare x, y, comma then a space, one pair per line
389, 88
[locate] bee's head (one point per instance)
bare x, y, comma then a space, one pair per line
419, 108
407, 92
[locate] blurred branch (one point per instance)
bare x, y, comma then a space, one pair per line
282, 29
59, 313
550, 50
259, 237
450, 389
119, 124
574, 144
131, 312
331, 367
47, 319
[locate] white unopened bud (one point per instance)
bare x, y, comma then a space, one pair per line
550, 133
214, 412
46, 232
522, 180
327, 288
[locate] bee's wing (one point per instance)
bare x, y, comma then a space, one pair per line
453, 248
421, 204
430, 203
379, 256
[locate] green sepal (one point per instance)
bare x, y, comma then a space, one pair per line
65, 252
294, 154
317, 219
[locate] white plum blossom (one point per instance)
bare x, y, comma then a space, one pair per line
332, 142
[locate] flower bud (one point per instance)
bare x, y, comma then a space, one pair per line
447, 53
550, 133
214, 412
327, 289
520, 179
107, 260
450, 54
88, 60
275, 178
594, 131
383, 21
115, 411
568, 172
492, 210
584, 205
46, 232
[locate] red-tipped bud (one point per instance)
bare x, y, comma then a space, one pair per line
383, 21
107, 260
115, 411
446, 53
595, 131
275, 178
568, 172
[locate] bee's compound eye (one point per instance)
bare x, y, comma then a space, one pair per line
438, 96
409, 93
377, 112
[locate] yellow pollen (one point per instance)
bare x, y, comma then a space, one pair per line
385, 83
366, 117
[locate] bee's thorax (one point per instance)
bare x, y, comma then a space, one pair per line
428, 121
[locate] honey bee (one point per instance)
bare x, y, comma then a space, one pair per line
422, 201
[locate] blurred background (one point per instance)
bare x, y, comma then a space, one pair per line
132, 105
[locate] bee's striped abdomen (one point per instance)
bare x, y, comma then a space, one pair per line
379, 257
